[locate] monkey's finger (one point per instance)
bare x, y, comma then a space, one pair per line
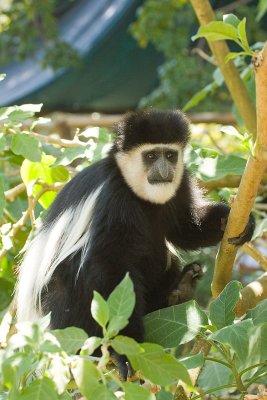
246, 235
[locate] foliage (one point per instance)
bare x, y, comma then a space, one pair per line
25, 25
38, 363
42, 364
32, 171
168, 25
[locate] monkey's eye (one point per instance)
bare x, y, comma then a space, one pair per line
170, 155
151, 155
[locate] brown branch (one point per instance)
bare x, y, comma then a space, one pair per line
11, 194
252, 294
232, 79
256, 254
58, 142
249, 184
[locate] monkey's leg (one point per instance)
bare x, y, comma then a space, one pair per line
186, 287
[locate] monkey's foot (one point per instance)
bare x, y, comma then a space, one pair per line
246, 235
186, 287
122, 365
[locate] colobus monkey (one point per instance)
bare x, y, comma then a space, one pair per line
117, 216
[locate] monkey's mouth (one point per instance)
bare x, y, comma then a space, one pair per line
160, 181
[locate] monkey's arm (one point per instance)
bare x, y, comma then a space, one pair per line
200, 223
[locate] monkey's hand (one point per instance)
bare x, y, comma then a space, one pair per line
186, 287
122, 365
246, 235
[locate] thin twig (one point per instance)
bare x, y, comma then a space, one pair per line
58, 142
11, 194
256, 254
25, 215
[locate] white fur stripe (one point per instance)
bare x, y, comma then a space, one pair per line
68, 234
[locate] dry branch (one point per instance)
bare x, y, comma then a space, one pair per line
249, 184
232, 79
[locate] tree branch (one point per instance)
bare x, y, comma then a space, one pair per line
249, 184
252, 294
232, 79
11, 194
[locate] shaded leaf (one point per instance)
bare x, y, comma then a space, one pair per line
259, 313
237, 336
26, 146
214, 375
174, 325
221, 309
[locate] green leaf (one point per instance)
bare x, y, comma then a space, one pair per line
40, 389
174, 325
217, 30
14, 367
2, 197
232, 131
24, 112
86, 376
70, 154
44, 170
199, 96
193, 361
6, 291
216, 168
159, 367
101, 392
259, 313
257, 352
232, 55
237, 336
100, 310
231, 19
241, 29
262, 9
260, 229
214, 375
121, 303
2, 143
221, 309
91, 344
26, 146
126, 345
71, 339
134, 392
59, 372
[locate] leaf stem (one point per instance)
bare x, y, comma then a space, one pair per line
213, 390
219, 361
252, 367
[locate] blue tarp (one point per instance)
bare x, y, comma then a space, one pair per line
114, 74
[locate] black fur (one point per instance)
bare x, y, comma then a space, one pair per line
128, 233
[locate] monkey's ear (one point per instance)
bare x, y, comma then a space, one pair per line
120, 129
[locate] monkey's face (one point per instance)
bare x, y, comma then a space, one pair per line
153, 172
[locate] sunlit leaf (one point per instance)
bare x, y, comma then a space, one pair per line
174, 325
